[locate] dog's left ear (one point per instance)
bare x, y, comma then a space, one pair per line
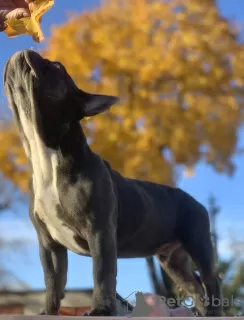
92, 104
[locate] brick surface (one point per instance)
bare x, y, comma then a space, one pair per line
73, 311
11, 309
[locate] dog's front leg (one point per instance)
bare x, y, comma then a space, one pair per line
103, 250
54, 262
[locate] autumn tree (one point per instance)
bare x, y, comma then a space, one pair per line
13, 162
231, 272
178, 69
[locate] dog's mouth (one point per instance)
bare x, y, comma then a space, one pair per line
27, 61
39, 65
29, 66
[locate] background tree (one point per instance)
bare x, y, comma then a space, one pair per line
230, 271
178, 69
213, 212
13, 163
232, 274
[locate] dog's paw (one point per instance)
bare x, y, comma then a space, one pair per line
103, 312
42, 313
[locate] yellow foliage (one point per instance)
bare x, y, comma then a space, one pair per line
178, 69
12, 157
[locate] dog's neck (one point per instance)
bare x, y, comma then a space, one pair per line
74, 143
72, 152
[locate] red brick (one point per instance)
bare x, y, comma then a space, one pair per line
73, 311
11, 309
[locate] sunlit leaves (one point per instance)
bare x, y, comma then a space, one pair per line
178, 70
12, 158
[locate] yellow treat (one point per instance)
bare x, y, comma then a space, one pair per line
29, 25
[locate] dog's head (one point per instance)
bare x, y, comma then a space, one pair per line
43, 97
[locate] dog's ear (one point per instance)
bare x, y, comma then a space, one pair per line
92, 104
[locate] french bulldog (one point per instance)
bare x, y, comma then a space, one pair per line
79, 203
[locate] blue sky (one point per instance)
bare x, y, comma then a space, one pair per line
132, 273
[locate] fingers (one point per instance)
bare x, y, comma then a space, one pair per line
3, 14
181, 312
18, 14
159, 307
2, 28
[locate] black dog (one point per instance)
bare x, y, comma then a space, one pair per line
79, 203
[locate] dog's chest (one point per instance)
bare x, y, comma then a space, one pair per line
48, 208
47, 202
48, 205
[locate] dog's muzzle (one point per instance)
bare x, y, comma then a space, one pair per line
24, 61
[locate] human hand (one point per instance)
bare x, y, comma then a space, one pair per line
13, 9
158, 308
181, 312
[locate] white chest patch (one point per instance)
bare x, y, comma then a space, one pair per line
46, 201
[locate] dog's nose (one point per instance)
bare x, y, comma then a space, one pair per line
17, 58
12, 64
31, 54
34, 60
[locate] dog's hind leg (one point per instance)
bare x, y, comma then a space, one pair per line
203, 255
196, 239
176, 262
